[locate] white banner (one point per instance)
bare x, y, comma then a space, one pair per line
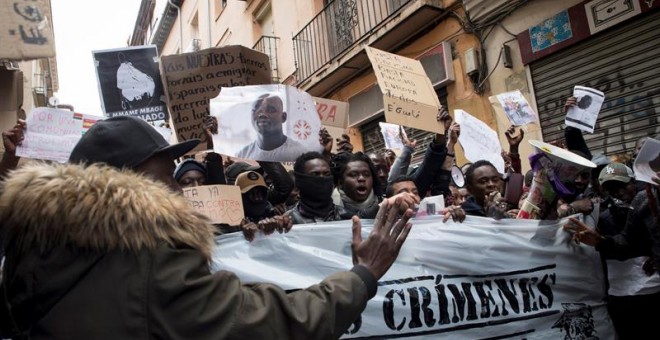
474, 280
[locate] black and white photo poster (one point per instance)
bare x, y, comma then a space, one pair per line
584, 113
129, 82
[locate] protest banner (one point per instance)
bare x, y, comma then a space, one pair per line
478, 140
408, 95
275, 123
647, 162
516, 108
584, 113
25, 30
129, 82
332, 112
480, 279
192, 79
220, 203
52, 133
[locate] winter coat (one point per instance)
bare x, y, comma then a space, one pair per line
98, 253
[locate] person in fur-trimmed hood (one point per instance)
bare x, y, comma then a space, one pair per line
94, 252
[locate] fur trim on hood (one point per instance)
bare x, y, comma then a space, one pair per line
98, 208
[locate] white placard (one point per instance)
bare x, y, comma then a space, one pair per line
584, 113
507, 279
391, 135
647, 163
237, 133
479, 141
517, 109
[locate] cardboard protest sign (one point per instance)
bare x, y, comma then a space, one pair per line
478, 140
220, 203
274, 123
516, 108
192, 79
408, 95
52, 133
647, 163
392, 135
332, 112
584, 114
129, 82
506, 279
25, 30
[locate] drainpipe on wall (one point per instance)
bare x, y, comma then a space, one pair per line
178, 9
208, 3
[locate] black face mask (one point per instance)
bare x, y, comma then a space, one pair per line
254, 210
315, 191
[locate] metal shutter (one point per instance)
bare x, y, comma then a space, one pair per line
372, 139
624, 63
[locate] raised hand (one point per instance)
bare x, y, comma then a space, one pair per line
511, 137
210, 129
344, 144
325, 140
571, 101
381, 248
405, 140
14, 137
454, 133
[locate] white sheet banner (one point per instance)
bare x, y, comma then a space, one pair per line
474, 280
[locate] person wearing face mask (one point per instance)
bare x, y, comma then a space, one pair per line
315, 184
253, 192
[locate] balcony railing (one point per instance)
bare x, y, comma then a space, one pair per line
336, 28
268, 45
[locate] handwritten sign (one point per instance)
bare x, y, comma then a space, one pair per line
52, 133
220, 203
408, 95
332, 112
479, 141
191, 79
25, 30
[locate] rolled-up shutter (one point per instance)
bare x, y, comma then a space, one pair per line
625, 64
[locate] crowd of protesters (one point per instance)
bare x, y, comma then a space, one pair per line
67, 229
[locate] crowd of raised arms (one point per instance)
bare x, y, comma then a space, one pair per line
113, 220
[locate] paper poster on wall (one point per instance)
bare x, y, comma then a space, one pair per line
408, 95
584, 113
274, 123
220, 203
26, 30
52, 133
478, 140
392, 135
129, 82
332, 112
516, 108
192, 79
647, 163
480, 279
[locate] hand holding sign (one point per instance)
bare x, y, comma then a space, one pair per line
583, 108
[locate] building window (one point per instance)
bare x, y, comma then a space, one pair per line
219, 6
